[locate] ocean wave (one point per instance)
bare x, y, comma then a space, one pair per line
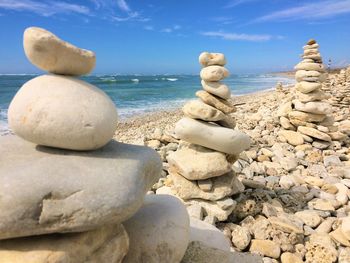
135, 80
172, 79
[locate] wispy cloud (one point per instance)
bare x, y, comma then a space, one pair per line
237, 37
235, 3
44, 8
171, 29
149, 28
123, 6
224, 20
308, 11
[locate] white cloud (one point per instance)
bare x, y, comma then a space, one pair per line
176, 27
123, 6
44, 8
314, 10
167, 30
238, 37
235, 3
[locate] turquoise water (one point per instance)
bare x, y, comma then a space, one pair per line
141, 94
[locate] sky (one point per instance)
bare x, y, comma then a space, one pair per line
166, 36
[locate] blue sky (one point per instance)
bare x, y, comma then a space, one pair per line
166, 36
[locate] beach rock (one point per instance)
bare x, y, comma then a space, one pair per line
217, 88
307, 87
316, 95
301, 75
49, 53
63, 112
309, 217
310, 66
315, 107
223, 186
214, 73
212, 136
292, 137
240, 237
69, 201
284, 109
344, 255
320, 251
209, 59
208, 235
288, 257
345, 227
198, 110
312, 46
220, 104
285, 123
266, 248
314, 133
159, 231
306, 117
197, 163
108, 244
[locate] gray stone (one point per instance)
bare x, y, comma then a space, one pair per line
46, 190
159, 231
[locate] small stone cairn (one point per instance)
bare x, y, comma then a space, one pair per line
200, 171
308, 117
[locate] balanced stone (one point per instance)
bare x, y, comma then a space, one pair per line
209, 59
313, 46
63, 112
217, 88
316, 95
315, 107
207, 164
307, 87
220, 104
310, 66
47, 190
212, 136
306, 117
214, 73
292, 137
314, 133
223, 186
312, 76
49, 53
108, 244
159, 231
196, 109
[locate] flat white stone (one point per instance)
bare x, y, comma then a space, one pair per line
307, 87
310, 66
47, 190
217, 88
197, 109
49, 53
212, 136
63, 112
316, 107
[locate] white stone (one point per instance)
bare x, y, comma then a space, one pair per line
315, 95
197, 109
313, 46
49, 53
310, 66
209, 59
300, 75
214, 73
315, 107
159, 231
217, 88
307, 87
63, 112
48, 190
212, 136
208, 235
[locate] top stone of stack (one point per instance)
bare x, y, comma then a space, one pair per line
49, 53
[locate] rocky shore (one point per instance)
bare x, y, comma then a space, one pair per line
294, 207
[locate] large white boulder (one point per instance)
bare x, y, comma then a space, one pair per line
212, 136
159, 231
63, 112
49, 53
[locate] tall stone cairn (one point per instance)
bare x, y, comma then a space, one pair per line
200, 171
308, 117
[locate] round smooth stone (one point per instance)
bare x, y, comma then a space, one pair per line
315, 57
209, 59
217, 88
316, 107
311, 46
214, 73
159, 231
306, 117
212, 136
314, 133
63, 112
307, 87
223, 105
49, 53
197, 109
316, 95
306, 75
311, 51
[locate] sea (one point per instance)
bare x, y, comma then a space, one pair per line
139, 94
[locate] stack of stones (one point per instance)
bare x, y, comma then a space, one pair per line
309, 113
338, 87
200, 170
69, 193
